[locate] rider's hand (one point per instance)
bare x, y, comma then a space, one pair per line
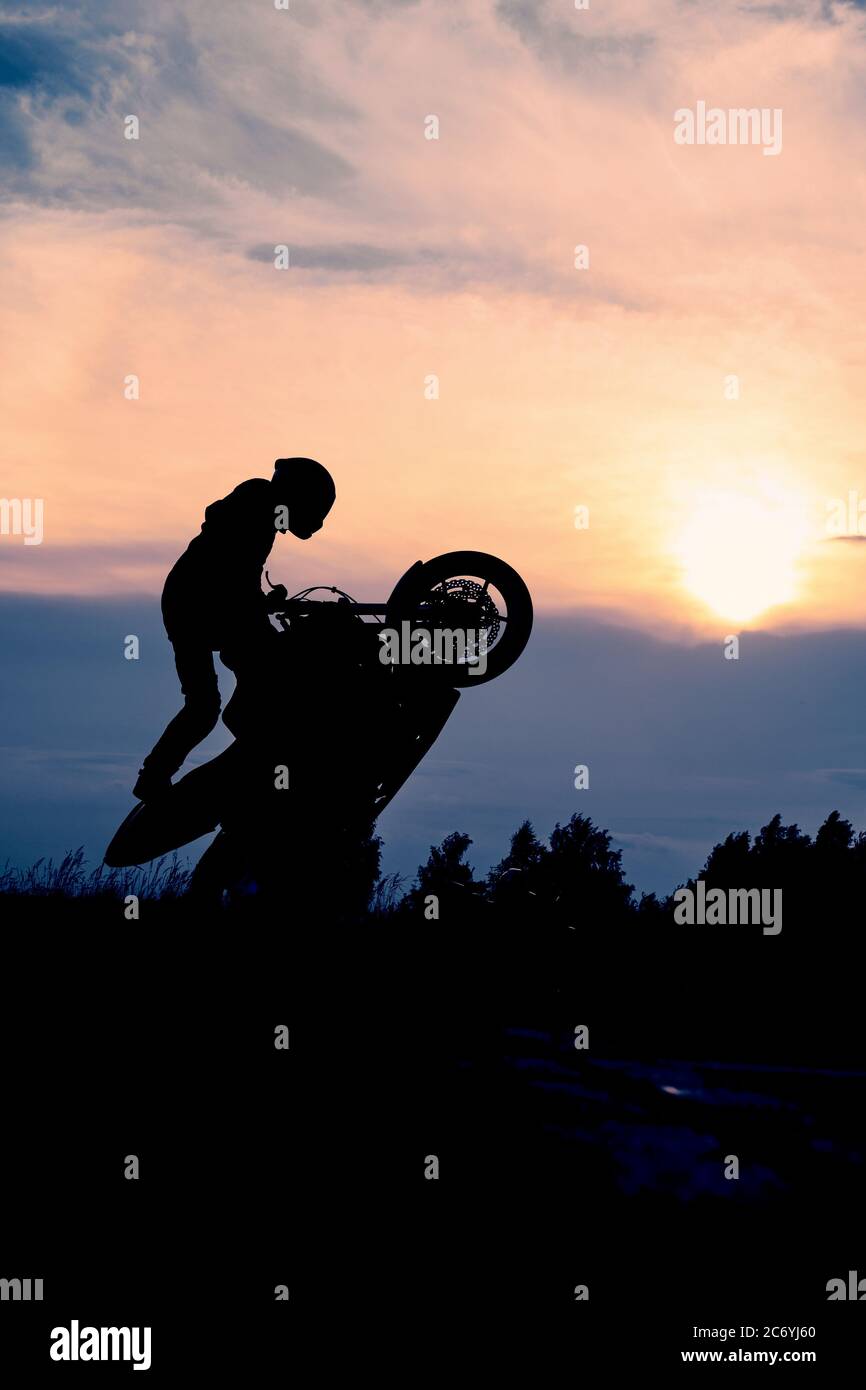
276, 598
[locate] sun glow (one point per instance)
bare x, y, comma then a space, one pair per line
740, 552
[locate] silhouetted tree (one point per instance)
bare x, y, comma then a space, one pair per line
729, 863
653, 912
582, 877
445, 877
515, 881
780, 850
835, 836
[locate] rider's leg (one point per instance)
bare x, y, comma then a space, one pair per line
201, 708
249, 652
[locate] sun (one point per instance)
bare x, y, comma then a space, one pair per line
739, 552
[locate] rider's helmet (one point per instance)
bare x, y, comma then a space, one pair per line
307, 490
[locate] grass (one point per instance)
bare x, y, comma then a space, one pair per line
165, 879
386, 895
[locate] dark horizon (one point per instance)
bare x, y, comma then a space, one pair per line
713, 746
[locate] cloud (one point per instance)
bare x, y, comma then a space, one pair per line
39, 60
846, 776
299, 124
128, 566
824, 12
444, 269
380, 6
70, 77
15, 150
41, 66
562, 44
347, 258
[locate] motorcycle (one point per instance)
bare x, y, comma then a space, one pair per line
330, 719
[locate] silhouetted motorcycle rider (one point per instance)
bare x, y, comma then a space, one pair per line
213, 599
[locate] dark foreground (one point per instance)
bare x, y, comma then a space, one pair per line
558, 1168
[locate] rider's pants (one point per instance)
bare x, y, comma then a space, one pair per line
201, 705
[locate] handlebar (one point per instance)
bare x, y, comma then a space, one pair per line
312, 605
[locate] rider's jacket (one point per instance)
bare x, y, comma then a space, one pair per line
215, 588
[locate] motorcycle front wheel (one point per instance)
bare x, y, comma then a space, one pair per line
468, 591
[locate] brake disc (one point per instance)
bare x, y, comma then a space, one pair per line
483, 611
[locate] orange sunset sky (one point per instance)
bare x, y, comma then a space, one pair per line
558, 387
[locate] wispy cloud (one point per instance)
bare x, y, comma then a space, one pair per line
71, 75
343, 257
562, 37
251, 118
